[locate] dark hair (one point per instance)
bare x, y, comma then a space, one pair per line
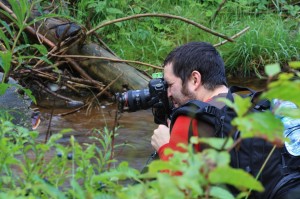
199, 56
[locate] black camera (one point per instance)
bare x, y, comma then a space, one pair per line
155, 97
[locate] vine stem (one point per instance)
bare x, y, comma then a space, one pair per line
262, 167
160, 15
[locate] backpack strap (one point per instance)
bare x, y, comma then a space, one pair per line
250, 92
193, 109
293, 177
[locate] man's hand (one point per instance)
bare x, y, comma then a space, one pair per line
160, 137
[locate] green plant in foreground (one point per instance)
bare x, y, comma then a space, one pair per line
30, 169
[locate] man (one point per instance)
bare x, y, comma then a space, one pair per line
194, 71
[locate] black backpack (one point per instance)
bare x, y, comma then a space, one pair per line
282, 171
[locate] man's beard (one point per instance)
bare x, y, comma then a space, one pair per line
187, 94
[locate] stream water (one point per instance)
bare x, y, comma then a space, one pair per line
135, 128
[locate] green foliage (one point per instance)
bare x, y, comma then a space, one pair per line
15, 43
247, 55
29, 168
32, 169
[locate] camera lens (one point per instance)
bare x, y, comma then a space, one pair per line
137, 99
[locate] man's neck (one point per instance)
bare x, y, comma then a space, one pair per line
208, 94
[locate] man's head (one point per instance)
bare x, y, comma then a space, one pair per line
191, 63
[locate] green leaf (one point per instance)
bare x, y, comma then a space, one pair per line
219, 192
272, 69
54, 138
9, 16
28, 92
294, 64
228, 175
217, 143
3, 88
8, 29
165, 180
21, 47
114, 11
5, 60
284, 89
41, 48
159, 165
19, 8
260, 124
218, 158
137, 9
240, 105
288, 112
4, 39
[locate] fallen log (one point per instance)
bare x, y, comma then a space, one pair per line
69, 39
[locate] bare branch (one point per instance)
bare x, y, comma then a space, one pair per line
161, 15
233, 37
108, 59
218, 10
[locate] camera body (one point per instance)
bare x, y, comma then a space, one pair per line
155, 97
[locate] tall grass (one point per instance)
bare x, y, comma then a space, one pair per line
270, 39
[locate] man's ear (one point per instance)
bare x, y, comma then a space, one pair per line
196, 78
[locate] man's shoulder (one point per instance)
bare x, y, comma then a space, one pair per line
215, 100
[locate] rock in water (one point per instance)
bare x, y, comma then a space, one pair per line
17, 105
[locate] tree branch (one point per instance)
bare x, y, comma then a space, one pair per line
161, 15
108, 59
233, 37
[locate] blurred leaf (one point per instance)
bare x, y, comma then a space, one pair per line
294, 64
284, 89
216, 143
228, 175
272, 69
65, 130
219, 192
54, 138
114, 11
165, 180
217, 158
159, 165
260, 124
208, 13
288, 112
241, 104
137, 9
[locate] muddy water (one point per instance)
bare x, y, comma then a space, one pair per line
135, 128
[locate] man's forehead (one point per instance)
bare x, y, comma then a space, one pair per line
168, 69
